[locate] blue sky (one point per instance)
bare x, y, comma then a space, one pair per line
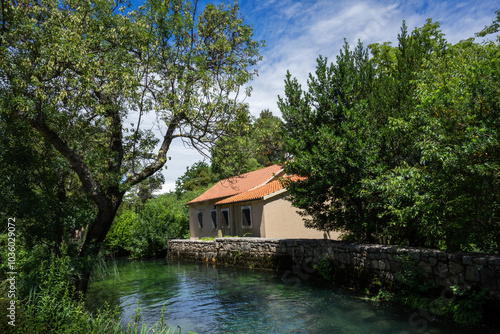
296, 32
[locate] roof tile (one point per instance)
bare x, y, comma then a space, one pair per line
238, 184
257, 193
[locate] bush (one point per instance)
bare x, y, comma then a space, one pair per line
144, 231
162, 218
119, 237
46, 300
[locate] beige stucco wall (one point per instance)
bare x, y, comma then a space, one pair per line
281, 220
235, 228
271, 218
195, 232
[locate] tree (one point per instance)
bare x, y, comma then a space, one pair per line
145, 233
267, 137
401, 146
450, 194
75, 70
38, 186
327, 132
250, 144
492, 28
198, 176
139, 194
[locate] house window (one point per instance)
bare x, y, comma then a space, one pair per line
225, 217
214, 218
246, 216
200, 219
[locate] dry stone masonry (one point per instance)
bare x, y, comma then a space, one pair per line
446, 269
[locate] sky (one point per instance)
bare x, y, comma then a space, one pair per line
296, 32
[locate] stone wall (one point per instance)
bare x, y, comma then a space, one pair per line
298, 257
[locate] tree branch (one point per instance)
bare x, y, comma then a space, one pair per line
161, 158
90, 185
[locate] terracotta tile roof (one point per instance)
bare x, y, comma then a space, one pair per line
257, 193
238, 184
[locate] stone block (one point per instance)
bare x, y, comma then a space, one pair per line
425, 267
374, 264
467, 260
391, 250
433, 261
495, 270
472, 274
455, 268
395, 266
488, 280
481, 261
416, 256
494, 262
381, 264
441, 270
458, 280
442, 256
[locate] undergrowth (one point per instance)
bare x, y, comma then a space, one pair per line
51, 305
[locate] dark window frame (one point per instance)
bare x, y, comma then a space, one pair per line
246, 218
213, 214
200, 219
225, 218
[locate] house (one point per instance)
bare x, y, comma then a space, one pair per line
253, 205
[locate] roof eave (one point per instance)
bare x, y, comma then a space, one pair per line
241, 201
276, 193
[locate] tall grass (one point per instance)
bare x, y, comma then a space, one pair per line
47, 302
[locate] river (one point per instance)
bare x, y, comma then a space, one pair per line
206, 299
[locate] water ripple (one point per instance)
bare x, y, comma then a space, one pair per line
205, 299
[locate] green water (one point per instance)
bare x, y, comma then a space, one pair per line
204, 299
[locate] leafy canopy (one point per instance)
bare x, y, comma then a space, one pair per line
402, 146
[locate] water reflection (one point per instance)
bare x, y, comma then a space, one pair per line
204, 299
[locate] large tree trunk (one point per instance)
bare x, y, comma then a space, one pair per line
95, 235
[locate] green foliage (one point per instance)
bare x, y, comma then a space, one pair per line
76, 72
198, 176
412, 279
469, 308
45, 298
329, 136
119, 237
492, 28
158, 222
46, 301
143, 231
403, 145
39, 187
250, 144
325, 268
